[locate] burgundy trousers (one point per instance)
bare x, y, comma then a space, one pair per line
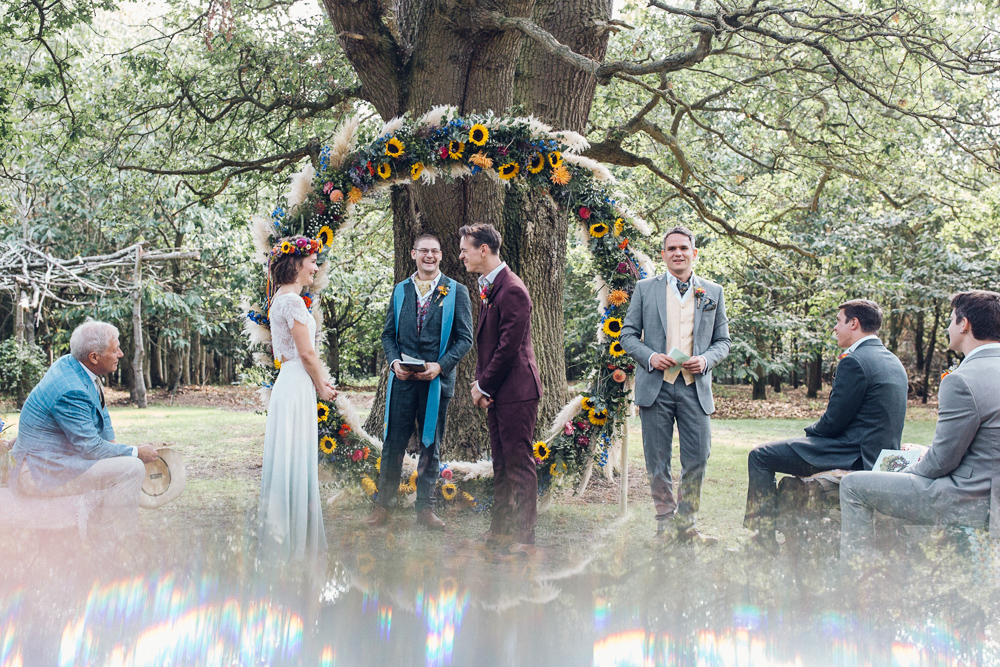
515, 482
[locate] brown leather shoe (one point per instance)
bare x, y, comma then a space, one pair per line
430, 519
378, 517
493, 541
692, 535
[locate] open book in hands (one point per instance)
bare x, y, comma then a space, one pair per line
412, 364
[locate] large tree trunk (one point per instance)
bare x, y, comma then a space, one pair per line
814, 375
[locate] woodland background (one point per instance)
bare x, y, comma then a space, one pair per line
820, 153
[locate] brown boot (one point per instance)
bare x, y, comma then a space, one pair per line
378, 517
428, 518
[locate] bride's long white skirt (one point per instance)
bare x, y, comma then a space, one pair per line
290, 518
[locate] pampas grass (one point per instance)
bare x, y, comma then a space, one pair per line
645, 262
264, 394
301, 186
429, 175
261, 229
262, 359
344, 142
436, 116
392, 127
538, 128
257, 333
567, 413
600, 172
351, 417
322, 277
575, 142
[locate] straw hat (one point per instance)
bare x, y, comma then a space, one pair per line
165, 479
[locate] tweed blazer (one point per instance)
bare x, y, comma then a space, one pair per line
63, 430
644, 333
865, 413
961, 470
427, 345
506, 369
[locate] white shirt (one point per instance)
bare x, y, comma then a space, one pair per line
490, 278
984, 346
858, 342
97, 383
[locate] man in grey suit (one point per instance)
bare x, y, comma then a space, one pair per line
429, 318
684, 314
865, 415
954, 481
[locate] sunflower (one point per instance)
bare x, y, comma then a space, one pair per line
557, 468
416, 170
325, 236
394, 147
479, 134
560, 175
598, 418
327, 445
541, 451
448, 491
613, 327
406, 489
481, 160
455, 149
277, 363
322, 412
587, 404
619, 226
509, 170
468, 499
368, 486
616, 349
555, 159
598, 229
355, 195
287, 247
384, 170
536, 163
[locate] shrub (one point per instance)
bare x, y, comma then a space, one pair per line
22, 368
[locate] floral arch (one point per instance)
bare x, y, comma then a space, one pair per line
517, 152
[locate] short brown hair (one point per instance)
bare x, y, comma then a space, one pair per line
679, 229
285, 267
482, 234
982, 309
869, 314
426, 235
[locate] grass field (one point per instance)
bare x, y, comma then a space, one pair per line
222, 451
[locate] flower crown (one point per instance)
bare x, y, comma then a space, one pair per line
301, 246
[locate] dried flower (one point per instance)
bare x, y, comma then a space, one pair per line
481, 160
617, 297
560, 175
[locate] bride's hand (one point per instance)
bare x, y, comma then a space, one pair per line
326, 392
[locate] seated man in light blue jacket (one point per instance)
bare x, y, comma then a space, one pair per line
65, 444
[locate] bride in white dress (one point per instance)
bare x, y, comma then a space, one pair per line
290, 518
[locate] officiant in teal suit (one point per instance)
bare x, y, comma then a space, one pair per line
429, 318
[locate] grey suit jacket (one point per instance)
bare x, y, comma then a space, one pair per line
645, 332
961, 470
427, 345
865, 413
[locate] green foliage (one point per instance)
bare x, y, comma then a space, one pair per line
22, 367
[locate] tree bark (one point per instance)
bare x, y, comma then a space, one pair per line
931, 344
814, 375
138, 383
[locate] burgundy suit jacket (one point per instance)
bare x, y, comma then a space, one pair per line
505, 363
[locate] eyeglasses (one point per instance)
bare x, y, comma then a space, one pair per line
427, 251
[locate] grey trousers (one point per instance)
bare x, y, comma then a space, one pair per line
677, 402
890, 493
108, 490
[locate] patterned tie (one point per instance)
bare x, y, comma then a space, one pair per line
100, 390
682, 288
422, 286
422, 314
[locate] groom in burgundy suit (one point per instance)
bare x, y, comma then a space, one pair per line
508, 387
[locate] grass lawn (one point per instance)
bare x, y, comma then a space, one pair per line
222, 451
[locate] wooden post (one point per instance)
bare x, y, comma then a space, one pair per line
138, 376
623, 497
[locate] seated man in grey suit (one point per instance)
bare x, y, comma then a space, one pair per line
954, 481
65, 444
864, 416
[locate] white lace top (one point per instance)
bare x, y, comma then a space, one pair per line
286, 310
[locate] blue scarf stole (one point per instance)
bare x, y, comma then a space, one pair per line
434, 392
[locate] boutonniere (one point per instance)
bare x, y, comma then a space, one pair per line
484, 295
951, 369
442, 292
843, 354
703, 301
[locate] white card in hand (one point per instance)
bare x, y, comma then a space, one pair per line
677, 355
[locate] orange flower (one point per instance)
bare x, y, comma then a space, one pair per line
355, 195
481, 160
560, 175
617, 297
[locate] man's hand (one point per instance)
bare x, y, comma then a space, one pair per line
695, 365
661, 362
148, 453
401, 373
433, 370
480, 399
